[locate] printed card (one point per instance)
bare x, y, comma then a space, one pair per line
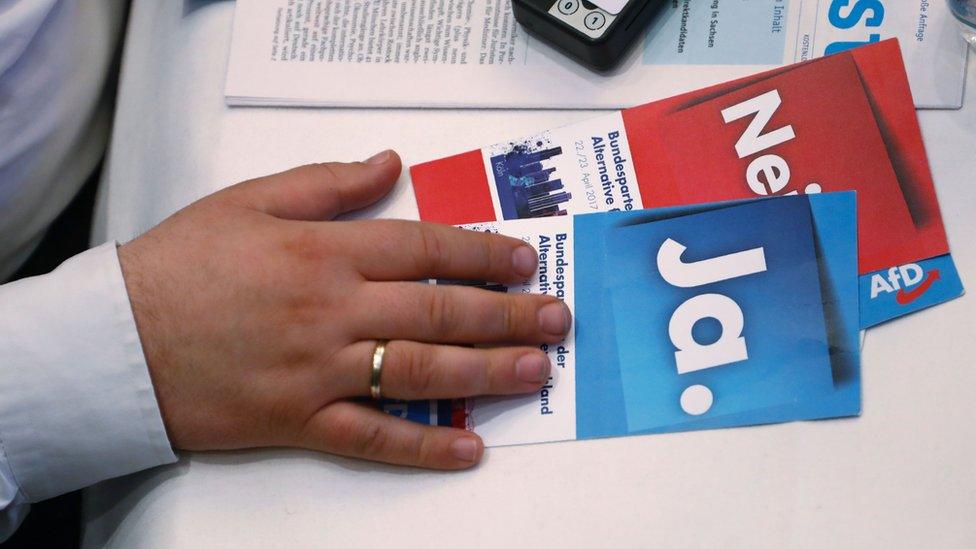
690, 318
754, 262
786, 140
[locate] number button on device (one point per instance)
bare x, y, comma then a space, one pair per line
595, 20
568, 7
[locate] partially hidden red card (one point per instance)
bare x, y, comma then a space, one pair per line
796, 150
843, 122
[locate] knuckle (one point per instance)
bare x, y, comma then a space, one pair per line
305, 245
418, 373
441, 313
299, 309
371, 440
512, 317
488, 257
423, 452
331, 180
325, 172
430, 249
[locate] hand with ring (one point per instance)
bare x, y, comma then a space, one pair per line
264, 322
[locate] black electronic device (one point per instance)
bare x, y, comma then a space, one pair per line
597, 33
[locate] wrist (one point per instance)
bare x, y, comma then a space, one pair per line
148, 325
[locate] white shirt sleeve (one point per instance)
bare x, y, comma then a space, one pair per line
76, 402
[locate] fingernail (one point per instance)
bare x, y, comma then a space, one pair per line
532, 368
555, 319
379, 158
465, 449
524, 260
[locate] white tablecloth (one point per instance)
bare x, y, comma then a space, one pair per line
903, 474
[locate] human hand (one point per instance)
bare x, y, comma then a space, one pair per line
258, 316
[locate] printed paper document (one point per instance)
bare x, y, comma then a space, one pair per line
472, 53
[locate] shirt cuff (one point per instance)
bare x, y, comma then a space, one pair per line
13, 505
76, 402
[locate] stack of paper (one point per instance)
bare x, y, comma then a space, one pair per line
472, 53
700, 301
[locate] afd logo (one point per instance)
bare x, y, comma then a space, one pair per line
908, 283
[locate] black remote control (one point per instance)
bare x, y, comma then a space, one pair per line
597, 33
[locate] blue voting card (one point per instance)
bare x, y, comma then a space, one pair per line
686, 318
760, 297
745, 298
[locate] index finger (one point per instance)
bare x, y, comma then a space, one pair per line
391, 250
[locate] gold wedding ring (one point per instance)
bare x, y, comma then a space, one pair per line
377, 370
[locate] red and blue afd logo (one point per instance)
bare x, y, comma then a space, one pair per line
908, 282
898, 291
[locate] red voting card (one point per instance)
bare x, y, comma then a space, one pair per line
843, 122
886, 237
801, 148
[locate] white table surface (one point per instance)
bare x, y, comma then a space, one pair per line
903, 474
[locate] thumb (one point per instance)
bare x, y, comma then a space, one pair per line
319, 192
